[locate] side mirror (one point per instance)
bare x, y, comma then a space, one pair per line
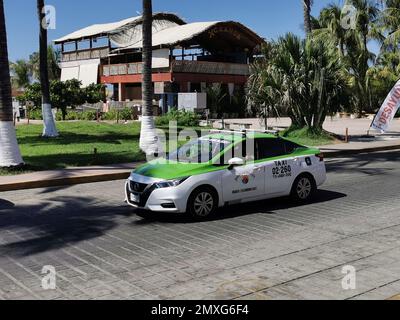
235, 162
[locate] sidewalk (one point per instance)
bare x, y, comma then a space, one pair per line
357, 127
63, 177
353, 148
71, 176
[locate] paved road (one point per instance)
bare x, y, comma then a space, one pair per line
102, 249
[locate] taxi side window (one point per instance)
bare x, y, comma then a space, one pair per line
244, 150
269, 148
291, 147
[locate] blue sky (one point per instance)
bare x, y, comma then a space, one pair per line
269, 18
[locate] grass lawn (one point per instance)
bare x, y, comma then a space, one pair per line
76, 143
115, 143
307, 138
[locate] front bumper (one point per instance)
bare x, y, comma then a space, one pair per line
148, 197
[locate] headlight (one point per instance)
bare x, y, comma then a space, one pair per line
170, 184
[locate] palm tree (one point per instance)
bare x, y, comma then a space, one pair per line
263, 87
307, 4
53, 56
390, 23
10, 155
301, 77
358, 57
21, 74
353, 45
383, 76
49, 126
148, 136
330, 28
52, 62
215, 97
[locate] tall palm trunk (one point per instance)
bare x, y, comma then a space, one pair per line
148, 135
49, 126
307, 15
9, 151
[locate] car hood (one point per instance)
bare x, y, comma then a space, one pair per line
170, 170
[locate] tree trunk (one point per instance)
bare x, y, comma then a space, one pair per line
10, 155
307, 16
148, 135
49, 126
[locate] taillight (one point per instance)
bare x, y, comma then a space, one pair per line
320, 156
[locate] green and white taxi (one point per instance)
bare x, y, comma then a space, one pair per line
225, 168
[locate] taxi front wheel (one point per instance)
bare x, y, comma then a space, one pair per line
304, 188
202, 203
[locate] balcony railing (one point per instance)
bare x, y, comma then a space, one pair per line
122, 69
186, 66
85, 54
179, 66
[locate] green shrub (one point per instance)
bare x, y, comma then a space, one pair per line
72, 115
183, 118
59, 116
126, 114
123, 114
111, 115
88, 115
36, 114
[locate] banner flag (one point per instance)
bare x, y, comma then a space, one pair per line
388, 110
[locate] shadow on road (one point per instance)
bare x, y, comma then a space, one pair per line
368, 163
60, 222
4, 204
54, 189
55, 223
264, 207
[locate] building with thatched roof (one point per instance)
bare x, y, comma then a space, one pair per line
187, 57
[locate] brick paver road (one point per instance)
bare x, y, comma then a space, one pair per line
101, 249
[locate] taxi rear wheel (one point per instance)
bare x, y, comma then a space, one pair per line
304, 188
202, 203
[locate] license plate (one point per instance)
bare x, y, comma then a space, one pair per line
135, 198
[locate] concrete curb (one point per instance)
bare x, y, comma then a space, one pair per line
349, 152
122, 174
64, 181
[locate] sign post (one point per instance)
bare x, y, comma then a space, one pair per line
29, 105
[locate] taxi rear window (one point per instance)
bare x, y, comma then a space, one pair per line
269, 148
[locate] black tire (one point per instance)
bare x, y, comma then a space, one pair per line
304, 188
202, 203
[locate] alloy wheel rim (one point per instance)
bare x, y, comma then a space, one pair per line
203, 204
304, 188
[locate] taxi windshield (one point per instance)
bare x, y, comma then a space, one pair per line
200, 150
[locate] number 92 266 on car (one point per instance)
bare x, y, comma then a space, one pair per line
225, 168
